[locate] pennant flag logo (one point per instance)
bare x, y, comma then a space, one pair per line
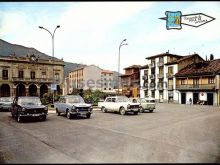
175, 20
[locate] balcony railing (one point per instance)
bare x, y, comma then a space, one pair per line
195, 86
17, 79
145, 77
152, 76
160, 75
170, 87
160, 87
152, 65
160, 63
169, 75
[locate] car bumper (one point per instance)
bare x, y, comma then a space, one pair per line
80, 113
133, 110
33, 115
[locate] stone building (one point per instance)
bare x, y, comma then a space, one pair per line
30, 75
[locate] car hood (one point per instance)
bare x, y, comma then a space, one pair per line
81, 105
33, 106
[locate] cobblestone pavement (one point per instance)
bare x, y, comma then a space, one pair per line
173, 133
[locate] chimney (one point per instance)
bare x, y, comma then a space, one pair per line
211, 57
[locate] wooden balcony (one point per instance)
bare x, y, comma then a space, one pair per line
196, 87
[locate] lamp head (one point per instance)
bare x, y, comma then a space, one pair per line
58, 26
40, 27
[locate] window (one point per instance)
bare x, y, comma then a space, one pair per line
44, 75
110, 88
32, 75
183, 81
170, 70
56, 76
5, 74
211, 80
20, 74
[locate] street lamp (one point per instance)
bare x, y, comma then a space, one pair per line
52, 35
121, 44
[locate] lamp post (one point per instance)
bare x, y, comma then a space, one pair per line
52, 35
121, 44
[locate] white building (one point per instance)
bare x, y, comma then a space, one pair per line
161, 82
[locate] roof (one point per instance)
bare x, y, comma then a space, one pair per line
133, 67
201, 68
163, 54
182, 59
107, 71
144, 67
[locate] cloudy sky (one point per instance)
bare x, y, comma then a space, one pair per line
91, 32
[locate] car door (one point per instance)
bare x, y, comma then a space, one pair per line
15, 106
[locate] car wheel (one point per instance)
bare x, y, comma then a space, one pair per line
44, 118
122, 111
151, 111
136, 112
58, 113
141, 110
68, 115
88, 115
103, 109
19, 118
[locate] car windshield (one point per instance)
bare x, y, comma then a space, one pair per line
29, 101
123, 99
6, 99
151, 101
75, 99
143, 101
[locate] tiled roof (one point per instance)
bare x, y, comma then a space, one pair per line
133, 67
163, 54
182, 59
201, 68
107, 71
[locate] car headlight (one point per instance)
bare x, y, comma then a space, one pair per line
73, 107
23, 109
90, 108
128, 106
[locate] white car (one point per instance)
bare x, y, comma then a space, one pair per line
119, 104
148, 104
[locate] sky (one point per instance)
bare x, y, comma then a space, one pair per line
91, 32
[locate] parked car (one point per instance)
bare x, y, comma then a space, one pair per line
119, 104
5, 103
73, 106
28, 106
148, 104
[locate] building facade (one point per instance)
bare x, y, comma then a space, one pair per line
199, 83
90, 77
29, 76
158, 76
161, 82
130, 81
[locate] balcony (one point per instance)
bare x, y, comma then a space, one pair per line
170, 87
196, 87
39, 80
145, 77
160, 75
160, 63
152, 76
145, 85
169, 75
152, 65
160, 87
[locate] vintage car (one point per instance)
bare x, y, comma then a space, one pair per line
5, 103
146, 103
119, 104
28, 106
73, 106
